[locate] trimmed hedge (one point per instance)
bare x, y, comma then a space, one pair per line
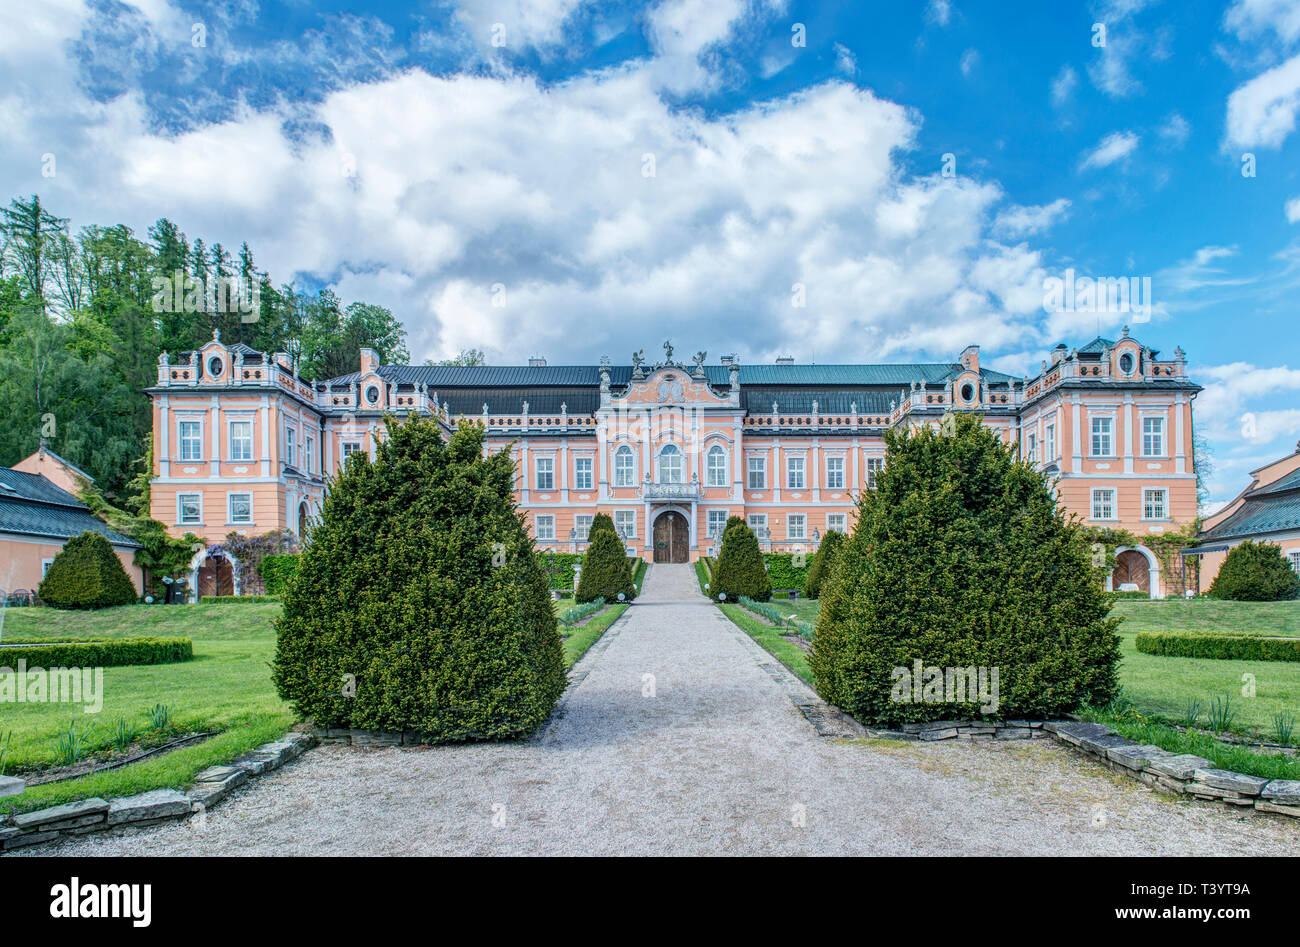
1199, 644
822, 563
101, 652
1255, 572
961, 559
782, 572
606, 570
740, 565
86, 574
562, 576
278, 570
237, 599
419, 604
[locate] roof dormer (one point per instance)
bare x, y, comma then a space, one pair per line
215, 364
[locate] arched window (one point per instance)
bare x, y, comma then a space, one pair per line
624, 467
670, 465
717, 467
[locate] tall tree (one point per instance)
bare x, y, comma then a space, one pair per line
32, 233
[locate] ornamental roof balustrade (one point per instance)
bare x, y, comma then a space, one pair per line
535, 423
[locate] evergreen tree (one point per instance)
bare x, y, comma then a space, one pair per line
606, 568
823, 563
419, 604
86, 574
960, 559
1255, 572
741, 569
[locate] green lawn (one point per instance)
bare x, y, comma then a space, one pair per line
1157, 686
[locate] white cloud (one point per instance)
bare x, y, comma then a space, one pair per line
938, 12
845, 62
1175, 130
1019, 221
1063, 86
1114, 147
1293, 210
1249, 19
969, 60
516, 23
1262, 112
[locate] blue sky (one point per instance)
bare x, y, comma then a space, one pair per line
573, 179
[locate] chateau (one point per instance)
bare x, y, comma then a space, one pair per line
672, 448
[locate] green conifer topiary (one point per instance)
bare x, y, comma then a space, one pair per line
420, 605
1255, 572
960, 560
822, 564
740, 570
86, 574
606, 568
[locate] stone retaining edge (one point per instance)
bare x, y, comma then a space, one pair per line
86, 816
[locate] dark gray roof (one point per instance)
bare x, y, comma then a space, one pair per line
33, 506
1289, 481
1260, 513
829, 400
511, 400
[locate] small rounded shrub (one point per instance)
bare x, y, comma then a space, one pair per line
606, 569
419, 605
1255, 572
86, 574
740, 570
960, 560
822, 563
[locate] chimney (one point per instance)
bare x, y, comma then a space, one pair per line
537, 361
1058, 353
369, 361
728, 359
785, 360
970, 358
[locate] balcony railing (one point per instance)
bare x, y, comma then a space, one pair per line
670, 491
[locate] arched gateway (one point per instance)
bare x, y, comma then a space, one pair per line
672, 537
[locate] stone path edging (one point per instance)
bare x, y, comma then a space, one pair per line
149, 808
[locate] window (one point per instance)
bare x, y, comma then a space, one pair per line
45, 566
757, 472
1031, 448
308, 452
670, 465
794, 473
839, 522
796, 526
758, 523
189, 508
1153, 437
545, 469
241, 440
290, 436
350, 448
624, 467
1103, 504
240, 508
717, 467
1049, 443
582, 473
1126, 363
874, 466
1293, 557
1154, 504
1101, 432
625, 523
835, 473
544, 527
191, 440
582, 526
716, 523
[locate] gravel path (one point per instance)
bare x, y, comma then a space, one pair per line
710, 755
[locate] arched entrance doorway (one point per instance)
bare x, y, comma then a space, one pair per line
216, 575
1132, 568
672, 537
303, 522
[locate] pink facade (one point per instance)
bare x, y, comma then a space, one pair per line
671, 450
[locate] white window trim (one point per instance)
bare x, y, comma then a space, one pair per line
630, 533
180, 439
1142, 433
717, 450
626, 451
580, 534
537, 472
709, 514
230, 511
802, 520
789, 471
538, 518
842, 517
762, 471
230, 440
1155, 519
1110, 436
1114, 505
841, 472
578, 472
180, 520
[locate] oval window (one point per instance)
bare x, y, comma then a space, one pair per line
215, 367
1126, 363
372, 394
968, 392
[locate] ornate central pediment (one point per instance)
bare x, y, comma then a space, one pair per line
669, 382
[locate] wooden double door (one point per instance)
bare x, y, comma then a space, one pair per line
672, 538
